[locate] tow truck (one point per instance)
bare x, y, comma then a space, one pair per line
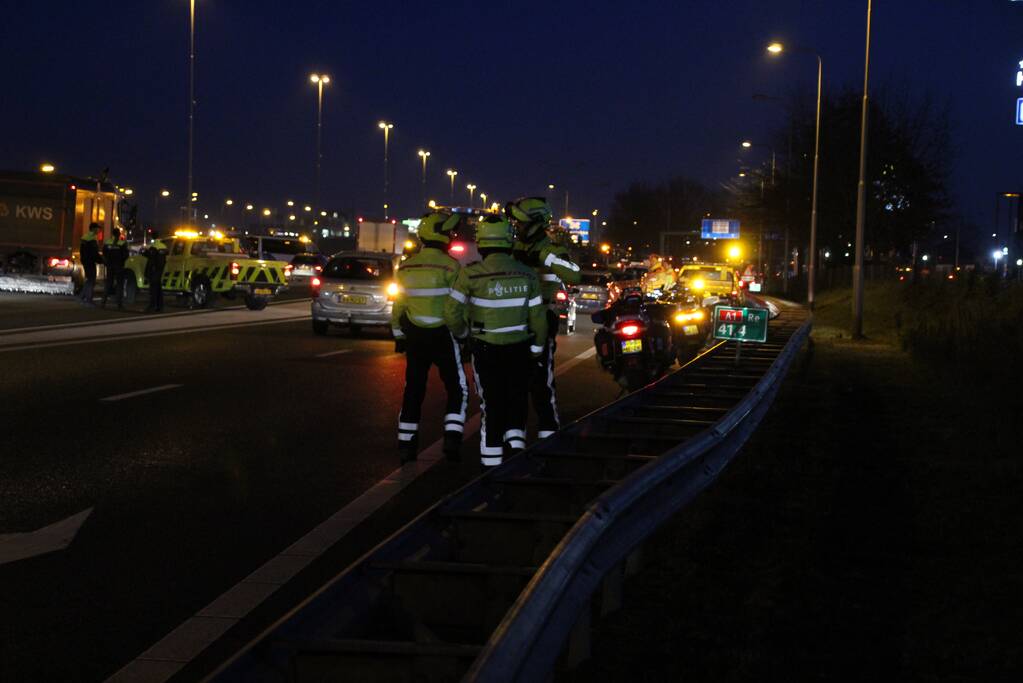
202, 266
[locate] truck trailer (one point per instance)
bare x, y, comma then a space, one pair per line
42, 219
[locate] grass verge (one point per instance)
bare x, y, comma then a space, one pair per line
869, 531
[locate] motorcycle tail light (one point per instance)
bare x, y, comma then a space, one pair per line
629, 330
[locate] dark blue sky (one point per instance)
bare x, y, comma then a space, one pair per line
587, 95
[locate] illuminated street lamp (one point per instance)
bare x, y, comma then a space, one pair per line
47, 168
451, 174
291, 202
776, 49
472, 189
266, 212
320, 80
746, 144
483, 199
424, 155
386, 127
249, 207
156, 211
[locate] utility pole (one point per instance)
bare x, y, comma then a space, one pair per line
861, 198
191, 105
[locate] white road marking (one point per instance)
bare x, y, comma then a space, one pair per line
333, 353
157, 664
134, 318
56, 536
187, 330
142, 392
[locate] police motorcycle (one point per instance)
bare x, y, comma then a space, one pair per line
691, 315
635, 342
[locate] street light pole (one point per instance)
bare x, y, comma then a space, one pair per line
191, 100
472, 189
451, 174
812, 281
861, 197
424, 155
777, 48
386, 127
320, 80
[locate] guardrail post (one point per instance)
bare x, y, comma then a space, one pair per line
634, 562
577, 650
612, 589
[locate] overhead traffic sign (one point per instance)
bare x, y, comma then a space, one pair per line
719, 229
1019, 111
741, 324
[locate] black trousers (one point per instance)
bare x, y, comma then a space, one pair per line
425, 347
502, 382
155, 293
542, 386
114, 285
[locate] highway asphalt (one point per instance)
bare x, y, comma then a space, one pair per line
204, 443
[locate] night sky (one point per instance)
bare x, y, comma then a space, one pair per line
588, 96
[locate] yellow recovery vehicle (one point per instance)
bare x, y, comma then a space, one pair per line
202, 266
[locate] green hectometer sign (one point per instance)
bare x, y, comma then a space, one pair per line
740, 324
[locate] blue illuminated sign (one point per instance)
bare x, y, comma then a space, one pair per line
1019, 111
578, 228
719, 229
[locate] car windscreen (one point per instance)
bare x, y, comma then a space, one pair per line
595, 279
358, 268
705, 273
277, 246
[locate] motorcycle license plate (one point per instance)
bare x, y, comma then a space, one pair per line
691, 330
632, 346
262, 291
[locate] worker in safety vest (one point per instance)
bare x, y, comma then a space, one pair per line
156, 261
417, 322
88, 253
531, 217
115, 253
496, 304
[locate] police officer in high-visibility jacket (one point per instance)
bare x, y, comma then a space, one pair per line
531, 216
496, 302
417, 322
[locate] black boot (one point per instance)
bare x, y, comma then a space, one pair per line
453, 446
408, 450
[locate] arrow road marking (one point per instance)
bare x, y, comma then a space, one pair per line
57, 536
141, 392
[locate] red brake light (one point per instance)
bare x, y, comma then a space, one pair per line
629, 330
457, 247
315, 282
235, 270
315, 285
561, 295
55, 262
742, 283
318, 269
287, 270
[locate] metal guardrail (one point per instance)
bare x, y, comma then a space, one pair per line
529, 639
489, 583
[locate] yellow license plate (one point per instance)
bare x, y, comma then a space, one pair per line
590, 296
262, 291
632, 346
691, 329
353, 299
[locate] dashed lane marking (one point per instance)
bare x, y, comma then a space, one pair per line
164, 659
333, 353
141, 392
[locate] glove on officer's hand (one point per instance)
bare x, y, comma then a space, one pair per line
399, 346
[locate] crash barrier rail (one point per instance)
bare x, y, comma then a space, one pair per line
490, 583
